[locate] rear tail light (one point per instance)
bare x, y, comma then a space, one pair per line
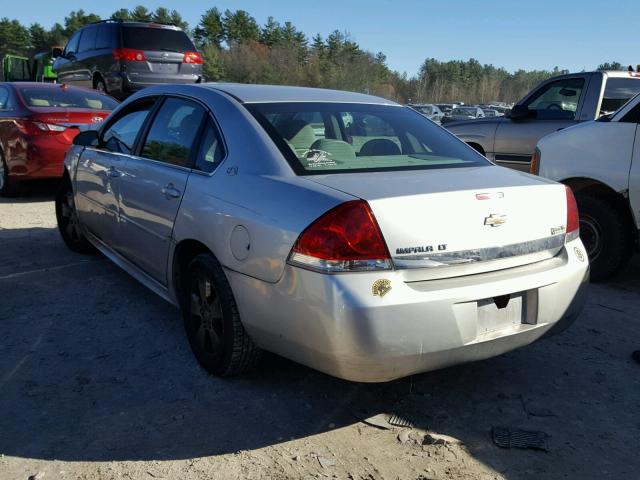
345, 239
33, 128
128, 54
573, 221
535, 162
192, 57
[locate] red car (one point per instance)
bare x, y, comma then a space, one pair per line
38, 122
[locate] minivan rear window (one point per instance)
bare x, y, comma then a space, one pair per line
321, 138
67, 98
156, 39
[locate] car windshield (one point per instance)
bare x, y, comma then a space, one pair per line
67, 98
320, 138
464, 111
154, 38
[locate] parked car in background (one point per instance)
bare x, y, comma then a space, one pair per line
38, 122
432, 112
406, 251
600, 161
553, 105
490, 112
446, 108
460, 114
121, 57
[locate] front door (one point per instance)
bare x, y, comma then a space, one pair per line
153, 183
554, 107
100, 171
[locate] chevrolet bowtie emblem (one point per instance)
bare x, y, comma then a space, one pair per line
495, 220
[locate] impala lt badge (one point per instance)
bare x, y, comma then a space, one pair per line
495, 220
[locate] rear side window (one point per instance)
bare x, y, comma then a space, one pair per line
173, 132
153, 38
211, 151
121, 135
88, 39
107, 37
360, 138
617, 92
66, 98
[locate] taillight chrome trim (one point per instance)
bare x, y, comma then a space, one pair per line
321, 265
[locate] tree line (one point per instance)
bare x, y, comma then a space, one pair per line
236, 48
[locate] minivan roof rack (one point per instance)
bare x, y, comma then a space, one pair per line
120, 20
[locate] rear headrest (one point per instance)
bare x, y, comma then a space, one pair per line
379, 146
298, 133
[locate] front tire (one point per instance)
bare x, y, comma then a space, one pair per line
8, 186
606, 236
212, 322
100, 86
68, 221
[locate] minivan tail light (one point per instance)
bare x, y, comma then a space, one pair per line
192, 57
573, 220
128, 54
344, 239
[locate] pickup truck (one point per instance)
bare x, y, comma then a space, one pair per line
556, 103
600, 161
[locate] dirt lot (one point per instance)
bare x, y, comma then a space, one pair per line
97, 382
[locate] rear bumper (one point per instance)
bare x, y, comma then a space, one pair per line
121, 84
43, 158
334, 324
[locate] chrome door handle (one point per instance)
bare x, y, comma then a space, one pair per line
170, 191
113, 173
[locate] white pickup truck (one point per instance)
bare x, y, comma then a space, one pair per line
600, 161
556, 103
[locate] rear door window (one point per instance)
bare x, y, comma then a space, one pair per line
211, 151
617, 92
156, 39
106, 37
173, 132
558, 100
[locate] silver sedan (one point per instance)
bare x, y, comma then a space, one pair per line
340, 230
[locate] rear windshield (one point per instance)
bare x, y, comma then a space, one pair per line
68, 98
319, 138
158, 39
617, 92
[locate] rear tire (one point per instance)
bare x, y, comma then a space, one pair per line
68, 222
212, 322
606, 235
100, 86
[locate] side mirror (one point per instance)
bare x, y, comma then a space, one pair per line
88, 138
56, 52
519, 112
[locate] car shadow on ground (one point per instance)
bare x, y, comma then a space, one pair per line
34, 191
93, 367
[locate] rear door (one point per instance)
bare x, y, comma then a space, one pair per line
100, 170
554, 106
154, 182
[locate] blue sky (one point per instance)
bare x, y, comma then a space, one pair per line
573, 34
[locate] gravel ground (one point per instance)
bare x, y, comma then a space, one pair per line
97, 382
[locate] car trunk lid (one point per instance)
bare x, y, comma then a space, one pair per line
461, 221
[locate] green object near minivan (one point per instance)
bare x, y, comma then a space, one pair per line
38, 68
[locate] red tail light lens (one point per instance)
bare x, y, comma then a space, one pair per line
128, 54
573, 220
34, 128
192, 57
345, 239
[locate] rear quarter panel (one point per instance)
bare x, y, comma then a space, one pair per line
481, 132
